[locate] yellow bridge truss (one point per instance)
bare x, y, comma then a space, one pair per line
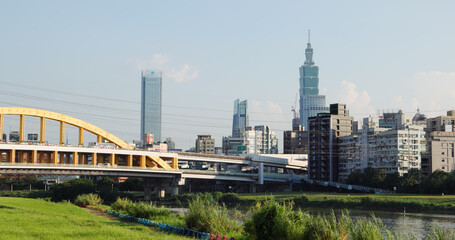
145, 161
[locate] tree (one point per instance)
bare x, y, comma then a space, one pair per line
71, 189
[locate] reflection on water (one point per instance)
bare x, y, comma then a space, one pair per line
418, 224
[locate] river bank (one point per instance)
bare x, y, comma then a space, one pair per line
389, 202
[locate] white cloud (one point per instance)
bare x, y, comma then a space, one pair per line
405, 104
267, 112
357, 102
433, 92
156, 61
184, 74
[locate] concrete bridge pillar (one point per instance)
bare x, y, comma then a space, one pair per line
253, 188
161, 192
175, 190
148, 190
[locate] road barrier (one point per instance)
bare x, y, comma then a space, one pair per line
165, 227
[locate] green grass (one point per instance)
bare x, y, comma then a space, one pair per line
37, 219
412, 202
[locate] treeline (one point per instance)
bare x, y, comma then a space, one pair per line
414, 181
21, 183
106, 188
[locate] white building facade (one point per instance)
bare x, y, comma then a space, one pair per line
392, 149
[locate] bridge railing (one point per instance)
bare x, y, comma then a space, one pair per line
349, 186
212, 172
79, 166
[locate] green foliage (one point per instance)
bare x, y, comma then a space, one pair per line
88, 199
71, 189
206, 215
301, 200
21, 183
272, 220
217, 196
106, 190
146, 210
369, 230
26, 194
140, 210
437, 182
229, 199
132, 184
439, 234
121, 204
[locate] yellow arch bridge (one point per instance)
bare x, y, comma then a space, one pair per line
123, 155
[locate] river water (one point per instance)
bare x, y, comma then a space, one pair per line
407, 224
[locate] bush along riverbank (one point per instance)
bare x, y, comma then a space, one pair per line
201, 226
280, 221
268, 219
388, 202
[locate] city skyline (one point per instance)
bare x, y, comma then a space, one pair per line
369, 62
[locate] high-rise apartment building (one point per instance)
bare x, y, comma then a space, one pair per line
256, 140
311, 103
324, 132
442, 151
394, 120
151, 81
395, 147
170, 143
260, 140
240, 118
205, 144
440, 139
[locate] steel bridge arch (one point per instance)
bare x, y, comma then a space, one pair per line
63, 119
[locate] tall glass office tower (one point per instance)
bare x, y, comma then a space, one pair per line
311, 103
151, 104
240, 118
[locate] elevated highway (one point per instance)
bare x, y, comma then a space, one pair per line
121, 159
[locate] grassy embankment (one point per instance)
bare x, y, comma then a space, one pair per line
37, 219
418, 203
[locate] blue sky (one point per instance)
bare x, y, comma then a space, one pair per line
83, 58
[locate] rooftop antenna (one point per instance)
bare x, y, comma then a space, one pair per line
309, 36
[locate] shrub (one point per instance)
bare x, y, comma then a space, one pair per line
88, 199
183, 199
217, 196
269, 220
121, 204
300, 201
366, 201
230, 199
364, 229
437, 233
272, 220
71, 189
146, 210
140, 210
206, 215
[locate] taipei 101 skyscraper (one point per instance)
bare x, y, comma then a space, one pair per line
311, 103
